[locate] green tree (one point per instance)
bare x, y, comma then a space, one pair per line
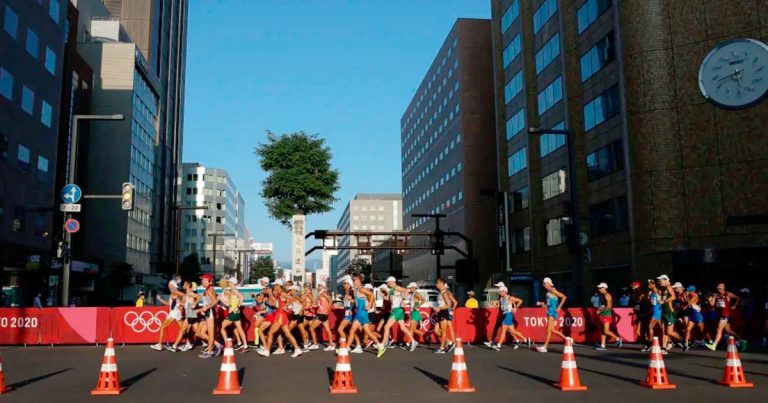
263, 267
190, 269
300, 178
361, 265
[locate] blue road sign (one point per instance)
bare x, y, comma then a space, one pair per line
72, 226
71, 193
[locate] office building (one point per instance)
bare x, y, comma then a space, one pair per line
32, 36
367, 212
225, 216
449, 154
667, 182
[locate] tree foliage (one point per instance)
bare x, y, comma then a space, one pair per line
300, 178
262, 267
190, 269
361, 265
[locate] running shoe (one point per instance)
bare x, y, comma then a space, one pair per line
600, 348
451, 347
664, 351
680, 344
541, 349
515, 347
170, 348
243, 347
238, 346
382, 350
686, 348
488, 344
217, 350
330, 347
304, 350
645, 349
205, 354
710, 346
157, 347
263, 352
187, 347
279, 351
414, 345
313, 347
390, 343
619, 342
296, 353
439, 351
496, 347
357, 350
368, 344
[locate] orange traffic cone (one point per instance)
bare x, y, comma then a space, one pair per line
733, 376
3, 388
459, 381
569, 374
342, 376
109, 379
228, 382
657, 372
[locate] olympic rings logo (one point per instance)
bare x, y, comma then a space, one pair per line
140, 322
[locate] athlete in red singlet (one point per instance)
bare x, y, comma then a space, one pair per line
723, 300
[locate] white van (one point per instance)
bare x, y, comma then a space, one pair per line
430, 297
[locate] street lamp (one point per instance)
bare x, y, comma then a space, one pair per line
71, 179
578, 269
215, 239
179, 209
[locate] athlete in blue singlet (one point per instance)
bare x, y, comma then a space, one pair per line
554, 303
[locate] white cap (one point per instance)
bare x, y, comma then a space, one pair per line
391, 279
499, 284
368, 286
384, 287
413, 285
602, 285
744, 290
348, 280
278, 282
173, 283
663, 277
233, 280
547, 280
503, 288
264, 280
677, 285
294, 288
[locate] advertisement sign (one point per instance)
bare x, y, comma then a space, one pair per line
297, 247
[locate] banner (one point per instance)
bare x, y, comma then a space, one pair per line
20, 326
74, 325
141, 325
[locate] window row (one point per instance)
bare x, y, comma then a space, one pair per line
459, 196
510, 15
27, 98
439, 183
542, 14
605, 161
553, 184
601, 108
516, 124
549, 142
550, 95
433, 164
548, 52
517, 161
520, 240
597, 57
31, 42
427, 98
513, 87
589, 11
512, 50
24, 159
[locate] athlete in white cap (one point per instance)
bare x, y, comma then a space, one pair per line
553, 304
397, 315
413, 301
174, 311
605, 313
508, 304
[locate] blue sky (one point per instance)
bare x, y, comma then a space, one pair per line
345, 69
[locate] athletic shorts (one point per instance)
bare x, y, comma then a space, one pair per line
695, 316
552, 313
234, 316
281, 317
443, 315
209, 314
669, 318
322, 317
270, 317
656, 315
174, 314
309, 318
605, 319
724, 318
416, 316
397, 314
373, 317
193, 321
362, 318
509, 319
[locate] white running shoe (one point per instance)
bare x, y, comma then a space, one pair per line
356, 350
313, 347
488, 344
157, 347
188, 346
414, 345
296, 353
496, 347
330, 347
541, 349
263, 352
279, 351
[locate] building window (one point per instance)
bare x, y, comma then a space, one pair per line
6, 84
27, 100
512, 50
516, 124
542, 14
518, 200
553, 184
42, 168
521, 240
509, 16
554, 230
22, 157
513, 87
608, 217
550, 95
11, 22
45, 114
548, 53
597, 57
54, 10
517, 161
32, 43
605, 161
50, 60
589, 11
601, 108
550, 142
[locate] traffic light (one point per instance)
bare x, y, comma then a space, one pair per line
438, 243
127, 200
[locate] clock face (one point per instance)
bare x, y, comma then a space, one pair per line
734, 74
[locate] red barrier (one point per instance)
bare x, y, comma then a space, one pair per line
20, 325
74, 325
141, 325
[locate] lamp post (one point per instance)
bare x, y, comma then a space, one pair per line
71, 179
578, 268
179, 210
215, 240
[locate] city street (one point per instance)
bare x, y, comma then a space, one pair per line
67, 374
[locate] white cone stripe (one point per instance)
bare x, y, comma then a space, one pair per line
228, 352
731, 348
458, 351
343, 352
343, 368
108, 367
110, 352
569, 365
657, 364
568, 350
656, 350
459, 366
231, 367
732, 363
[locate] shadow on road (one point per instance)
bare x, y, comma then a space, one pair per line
614, 376
330, 375
436, 378
721, 368
241, 375
132, 380
37, 379
636, 365
527, 375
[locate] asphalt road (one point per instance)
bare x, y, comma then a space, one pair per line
67, 374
